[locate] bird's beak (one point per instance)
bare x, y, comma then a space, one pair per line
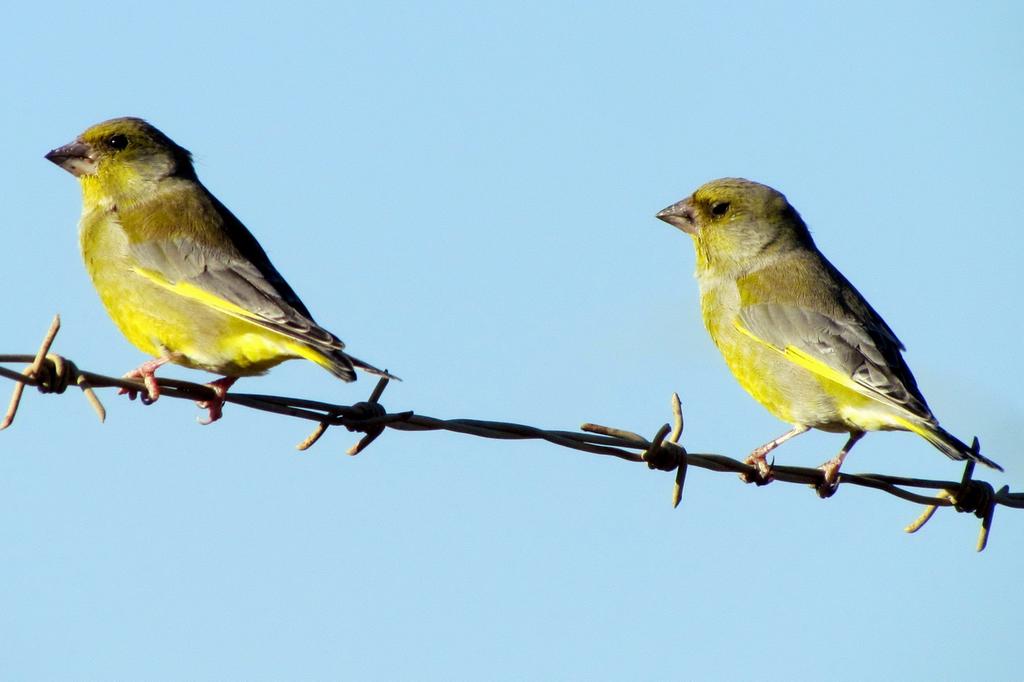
76, 158
680, 214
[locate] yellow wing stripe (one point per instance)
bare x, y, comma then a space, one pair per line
202, 295
813, 365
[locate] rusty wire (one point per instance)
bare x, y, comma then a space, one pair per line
53, 374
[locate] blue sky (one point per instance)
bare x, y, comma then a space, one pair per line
465, 194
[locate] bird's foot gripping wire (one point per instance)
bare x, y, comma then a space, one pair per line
830, 469
763, 473
759, 457
147, 372
830, 475
215, 405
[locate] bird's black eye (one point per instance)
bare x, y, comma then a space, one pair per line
117, 141
720, 208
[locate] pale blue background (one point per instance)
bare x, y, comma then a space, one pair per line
466, 195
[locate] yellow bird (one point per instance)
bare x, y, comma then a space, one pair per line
180, 275
795, 333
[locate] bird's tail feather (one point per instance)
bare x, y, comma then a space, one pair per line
338, 363
335, 362
950, 445
356, 362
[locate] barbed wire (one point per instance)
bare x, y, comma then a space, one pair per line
52, 373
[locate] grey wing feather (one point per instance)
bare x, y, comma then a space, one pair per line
248, 281
869, 355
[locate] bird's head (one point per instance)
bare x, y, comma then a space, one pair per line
734, 221
122, 156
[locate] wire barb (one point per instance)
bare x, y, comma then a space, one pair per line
312, 438
52, 373
974, 497
373, 410
677, 432
656, 457
32, 371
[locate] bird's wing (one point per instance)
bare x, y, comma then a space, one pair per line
232, 274
864, 357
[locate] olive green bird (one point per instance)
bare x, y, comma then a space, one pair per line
795, 333
180, 275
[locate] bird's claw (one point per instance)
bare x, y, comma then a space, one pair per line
826, 490
215, 406
216, 411
763, 473
830, 479
147, 372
